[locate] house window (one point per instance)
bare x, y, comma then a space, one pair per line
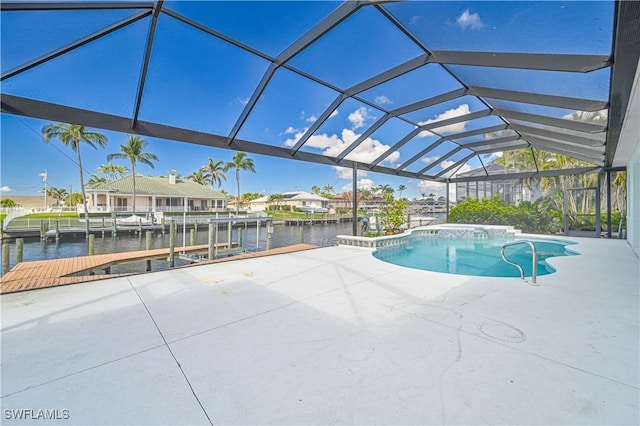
173, 202
204, 204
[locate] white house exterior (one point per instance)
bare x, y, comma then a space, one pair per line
153, 194
628, 155
304, 201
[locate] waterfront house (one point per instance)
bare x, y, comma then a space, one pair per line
153, 194
511, 190
304, 201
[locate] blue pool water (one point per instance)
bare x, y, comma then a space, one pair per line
473, 257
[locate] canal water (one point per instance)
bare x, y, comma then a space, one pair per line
67, 246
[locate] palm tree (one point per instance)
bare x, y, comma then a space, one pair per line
277, 199
401, 188
620, 182
316, 189
73, 199
214, 171
199, 177
384, 189
72, 135
239, 162
133, 151
58, 194
327, 191
94, 179
112, 171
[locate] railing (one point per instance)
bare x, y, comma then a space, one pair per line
534, 253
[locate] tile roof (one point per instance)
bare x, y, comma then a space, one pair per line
158, 186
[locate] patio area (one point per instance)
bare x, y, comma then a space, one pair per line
330, 336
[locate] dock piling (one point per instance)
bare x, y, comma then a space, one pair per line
229, 234
172, 244
212, 232
92, 244
19, 249
192, 237
6, 264
57, 230
114, 232
148, 247
302, 235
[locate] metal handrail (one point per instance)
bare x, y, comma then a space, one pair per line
534, 269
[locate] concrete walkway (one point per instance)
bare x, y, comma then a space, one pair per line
330, 336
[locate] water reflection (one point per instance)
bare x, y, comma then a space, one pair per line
252, 240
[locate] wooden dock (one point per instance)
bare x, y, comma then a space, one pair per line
316, 221
55, 272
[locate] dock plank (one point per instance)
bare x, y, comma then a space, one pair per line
55, 272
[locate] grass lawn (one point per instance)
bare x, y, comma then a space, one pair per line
282, 215
50, 215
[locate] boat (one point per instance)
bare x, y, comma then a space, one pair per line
134, 220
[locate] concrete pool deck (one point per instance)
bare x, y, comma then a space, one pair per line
330, 336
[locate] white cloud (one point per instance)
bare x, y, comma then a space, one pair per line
365, 184
332, 145
469, 20
462, 109
596, 117
359, 117
428, 187
243, 101
465, 168
439, 189
347, 173
362, 184
312, 119
5, 189
416, 20
334, 113
447, 163
383, 100
291, 131
429, 160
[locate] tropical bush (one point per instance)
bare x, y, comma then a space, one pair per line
494, 211
392, 212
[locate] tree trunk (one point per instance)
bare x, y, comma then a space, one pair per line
84, 195
133, 175
238, 199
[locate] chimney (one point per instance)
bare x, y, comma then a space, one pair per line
172, 177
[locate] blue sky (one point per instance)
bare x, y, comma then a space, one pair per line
203, 83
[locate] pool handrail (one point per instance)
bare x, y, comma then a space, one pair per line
534, 269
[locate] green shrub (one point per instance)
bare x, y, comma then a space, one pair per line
494, 211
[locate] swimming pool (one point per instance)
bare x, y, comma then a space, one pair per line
480, 257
